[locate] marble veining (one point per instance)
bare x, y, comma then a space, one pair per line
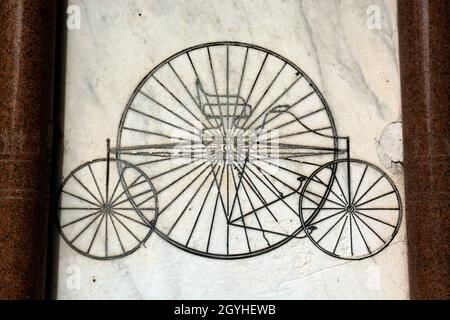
354, 66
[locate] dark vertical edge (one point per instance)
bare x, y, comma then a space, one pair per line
27, 51
424, 58
57, 150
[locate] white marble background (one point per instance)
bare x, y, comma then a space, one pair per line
356, 69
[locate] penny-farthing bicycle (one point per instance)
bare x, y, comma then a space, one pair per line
228, 150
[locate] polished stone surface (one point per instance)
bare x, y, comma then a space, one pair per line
427, 153
27, 34
350, 57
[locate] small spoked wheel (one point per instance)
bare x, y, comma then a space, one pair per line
106, 209
361, 213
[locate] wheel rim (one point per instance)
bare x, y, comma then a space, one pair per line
353, 224
223, 208
103, 220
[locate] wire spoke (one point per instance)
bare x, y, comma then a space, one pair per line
129, 218
117, 234
179, 101
180, 193
331, 190
180, 178
340, 234
244, 64
86, 188
214, 211
190, 94
257, 193
266, 231
96, 232
256, 214
267, 89
331, 228
132, 185
360, 182
362, 236
76, 208
130, 199
96, 184
117, 184
82, 199
241, 211
277, 192
200, 211
84, 229
383, 209
356, 203
297, 119
195, 193
326, 218
375, 219
351, 234
376, 198
163, 121
215, 86
198, 77
257, 77
276, 100
81, 219
340, 188
106, 235
370, 228
172, 170
323, 198
290, 107
113, 215
220, 194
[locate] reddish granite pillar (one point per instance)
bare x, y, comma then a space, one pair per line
424, 55
27, 29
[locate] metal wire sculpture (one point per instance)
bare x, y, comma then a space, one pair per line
228, 150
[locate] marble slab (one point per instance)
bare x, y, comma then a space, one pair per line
166, 79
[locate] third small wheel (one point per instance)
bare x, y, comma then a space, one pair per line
106, 209
361, 213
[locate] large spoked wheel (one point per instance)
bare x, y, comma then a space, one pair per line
106, 213
227, 132
360, 215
